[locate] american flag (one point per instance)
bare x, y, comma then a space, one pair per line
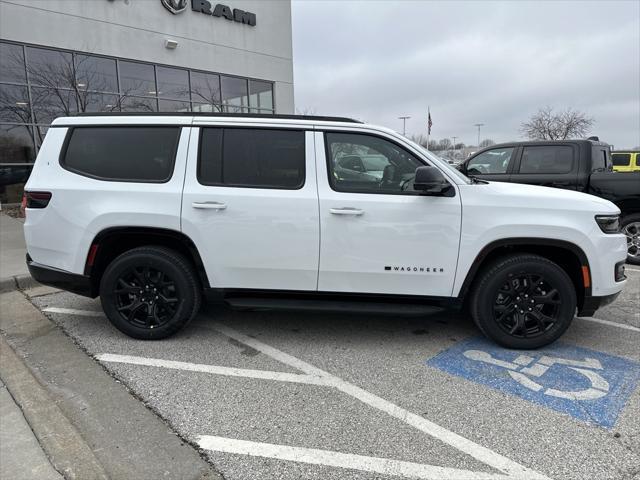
429, 122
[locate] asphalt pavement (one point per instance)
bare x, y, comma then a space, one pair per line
303, 395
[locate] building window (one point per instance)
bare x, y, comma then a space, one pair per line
96, 74
12, 59
173, 83
260, 96
205, 90
50, 68
137, 79
234, 94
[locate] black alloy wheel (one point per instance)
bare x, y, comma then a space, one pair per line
150, 292
526, 305
523, 301
146, 297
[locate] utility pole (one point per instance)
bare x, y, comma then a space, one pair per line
404, 125
454, 142
479, 125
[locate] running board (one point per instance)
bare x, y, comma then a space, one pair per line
375, 308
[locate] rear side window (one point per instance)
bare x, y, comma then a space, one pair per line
130, 154
547, 159
621, 159
250, 157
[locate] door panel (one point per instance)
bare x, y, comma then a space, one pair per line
252, 237
388, 243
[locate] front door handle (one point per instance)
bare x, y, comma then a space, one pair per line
209, 205
346, 211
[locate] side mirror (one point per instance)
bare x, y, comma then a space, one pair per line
430, 181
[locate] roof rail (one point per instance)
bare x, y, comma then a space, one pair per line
220, 114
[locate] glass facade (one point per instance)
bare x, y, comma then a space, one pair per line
39, 84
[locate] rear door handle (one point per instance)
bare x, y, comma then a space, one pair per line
209, 205
346, 211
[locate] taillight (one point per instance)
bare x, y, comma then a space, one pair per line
36, 199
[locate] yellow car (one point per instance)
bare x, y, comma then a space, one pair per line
626, 161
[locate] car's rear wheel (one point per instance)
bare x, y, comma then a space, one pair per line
523, 301
150, 293
630, 226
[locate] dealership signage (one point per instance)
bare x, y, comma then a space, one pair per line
217, 10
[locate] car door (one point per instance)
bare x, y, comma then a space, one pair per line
494, 164
382, 237
551, 165
250, 205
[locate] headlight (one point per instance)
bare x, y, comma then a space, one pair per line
609, 223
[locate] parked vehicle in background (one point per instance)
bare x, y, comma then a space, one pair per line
581, 165
257, 209
628, 161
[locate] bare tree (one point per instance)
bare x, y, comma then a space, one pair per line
459, 146
549, 125
487, 142
444, 144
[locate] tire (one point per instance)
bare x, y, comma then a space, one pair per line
129, 281
511, 307
630, 226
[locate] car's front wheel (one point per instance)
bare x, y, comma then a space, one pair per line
150, 292
630, 226
523, 301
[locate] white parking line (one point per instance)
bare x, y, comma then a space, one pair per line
624, 326
469, 447
215, 369
383, 466
73, 311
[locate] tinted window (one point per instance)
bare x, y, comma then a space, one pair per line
173, 83
492, 161
600, 159
621, 159
368, 164
144, 154
547, 159
246, 157
234, 94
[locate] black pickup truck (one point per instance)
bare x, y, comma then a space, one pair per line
582, 165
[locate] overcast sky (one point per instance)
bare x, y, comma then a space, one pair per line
472, 61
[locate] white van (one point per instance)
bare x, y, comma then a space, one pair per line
150, 211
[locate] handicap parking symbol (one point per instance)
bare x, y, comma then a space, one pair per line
586, 384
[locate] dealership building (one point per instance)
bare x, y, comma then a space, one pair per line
62, 57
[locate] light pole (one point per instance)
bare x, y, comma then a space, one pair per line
479, 125
404, 125
454, 142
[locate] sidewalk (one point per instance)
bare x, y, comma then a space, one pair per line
21, 457
12, 247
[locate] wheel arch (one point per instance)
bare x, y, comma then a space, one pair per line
569, 256
111, 242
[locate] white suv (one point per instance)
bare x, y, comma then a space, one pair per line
150, 211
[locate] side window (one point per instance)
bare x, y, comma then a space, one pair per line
621, 159
550, 159
492, 161
362, 163
250, 157
130, 154
600, 159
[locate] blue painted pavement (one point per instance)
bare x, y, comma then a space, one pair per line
586, 384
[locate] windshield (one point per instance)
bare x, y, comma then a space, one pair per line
441, 163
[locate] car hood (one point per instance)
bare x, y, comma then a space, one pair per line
534, 196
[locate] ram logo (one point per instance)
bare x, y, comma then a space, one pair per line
174, 6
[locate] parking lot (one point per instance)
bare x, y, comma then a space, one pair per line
300, 395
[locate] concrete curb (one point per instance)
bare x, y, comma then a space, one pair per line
17, 282
65, 447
